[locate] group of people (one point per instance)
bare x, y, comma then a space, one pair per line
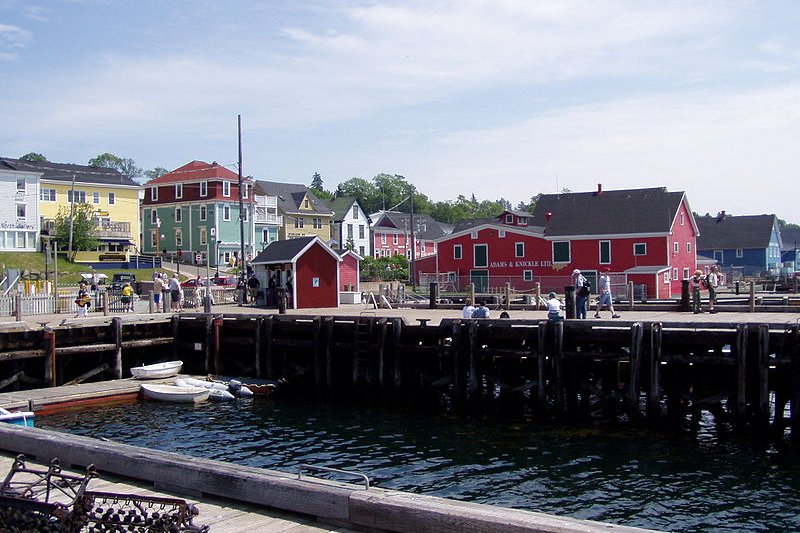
171, 290
583, 291
698, 283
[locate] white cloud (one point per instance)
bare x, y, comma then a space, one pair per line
13, 37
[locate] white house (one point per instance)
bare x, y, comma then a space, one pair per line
19, 206
350, 225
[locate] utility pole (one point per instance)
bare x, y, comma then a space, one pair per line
413, 241
71, 217
241, 215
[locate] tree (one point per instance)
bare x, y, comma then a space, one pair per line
124, 166
33, 157
155, 173
316, 188
363, 191
316, 181
84, 227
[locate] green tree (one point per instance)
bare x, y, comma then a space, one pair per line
394, 268
316, 181
33, 157
84, 228
155, 173
124, 166
317, 188
363, 190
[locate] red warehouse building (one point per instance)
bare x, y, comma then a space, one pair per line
307, 267
646, 236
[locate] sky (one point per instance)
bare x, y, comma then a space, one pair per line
499, 98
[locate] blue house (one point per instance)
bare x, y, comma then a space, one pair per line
748, 244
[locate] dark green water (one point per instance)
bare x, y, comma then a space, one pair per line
692, 484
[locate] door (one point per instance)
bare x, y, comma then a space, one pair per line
481, 280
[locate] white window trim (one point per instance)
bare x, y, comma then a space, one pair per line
688, 247
600, 252
203, 236
527, 275
739, 253
460, 254
178, 238
383, 238
226, 212
95, 197
516, 249
676, 247
639, 244
24, 206
509, 219
226, 188
475, 255
178, 191
154, 216
675, 272
112, 198
178, 214
501, 234
154, 194
203, 189
666, 277
682, 219
203, 212
553, 251
685, 272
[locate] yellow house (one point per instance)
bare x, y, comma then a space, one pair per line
304, 215
114, 198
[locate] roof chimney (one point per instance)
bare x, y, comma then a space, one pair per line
599, 189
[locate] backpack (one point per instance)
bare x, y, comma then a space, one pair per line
586, 289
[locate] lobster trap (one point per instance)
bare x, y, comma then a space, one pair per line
50, 500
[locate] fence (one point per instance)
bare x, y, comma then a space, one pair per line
449, 283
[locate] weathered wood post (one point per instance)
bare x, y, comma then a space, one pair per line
268, 362
637, 334
434, 295
217, 327
654, 373
116, 329
257, 345
763, 375
558, 357
741, 370
471, 292
752, 300
397, 326
151, 302
381, 343
104, 298
508, 295
541, 361
569, 301
49, 342
209, 344
630, 295
537, 293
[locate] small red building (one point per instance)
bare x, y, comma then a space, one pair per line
349, 279
307, 267
644, 236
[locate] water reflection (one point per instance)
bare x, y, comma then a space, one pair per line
700, 484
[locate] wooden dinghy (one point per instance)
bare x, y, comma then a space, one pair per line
174, 393
157, 370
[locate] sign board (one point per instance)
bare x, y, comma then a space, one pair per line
315, 282
197, 258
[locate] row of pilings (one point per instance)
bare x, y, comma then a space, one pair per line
746, 374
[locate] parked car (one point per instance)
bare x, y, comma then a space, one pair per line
121, 278
202, 282
228, 281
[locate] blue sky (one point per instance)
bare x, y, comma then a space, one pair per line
502, 98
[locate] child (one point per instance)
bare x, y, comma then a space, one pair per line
554, 305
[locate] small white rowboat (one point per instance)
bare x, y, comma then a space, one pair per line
158, 370
173, 393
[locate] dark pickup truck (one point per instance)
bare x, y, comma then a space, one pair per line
121, 278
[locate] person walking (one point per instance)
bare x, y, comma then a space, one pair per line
581, 293
127, 298
712, 282
604, 288
252, 287
158, 289
696, 283
82, 300
468, 309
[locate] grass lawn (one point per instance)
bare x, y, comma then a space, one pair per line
68, 273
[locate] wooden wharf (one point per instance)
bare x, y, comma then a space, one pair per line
746, 372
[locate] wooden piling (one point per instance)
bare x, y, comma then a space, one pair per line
116, 331
654, 373
217, 336
741, 370
49, 341
269, 365
763, 375
635, 369
558, 359
541, 359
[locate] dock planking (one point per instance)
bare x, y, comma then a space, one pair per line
223, 516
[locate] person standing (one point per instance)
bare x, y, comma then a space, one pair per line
82, 300
604, 288
175, 293
695, 286
581, 293
271, 286
127, 298
158, 288
289, 290
252, 287
712, 282
468, 309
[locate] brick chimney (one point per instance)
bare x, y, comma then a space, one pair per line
599, 189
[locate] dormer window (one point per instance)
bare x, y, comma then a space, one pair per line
522, 221
178, 190
203, 188
154, 193
509, 218
226, 188
306, 204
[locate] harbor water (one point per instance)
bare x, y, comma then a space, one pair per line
701, 482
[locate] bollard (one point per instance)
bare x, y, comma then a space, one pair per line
630, 296
569, 300
752, 297
206, 303
434, 295
282, 301
152, 302
18, 307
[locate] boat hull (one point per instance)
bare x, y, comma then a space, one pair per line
173, 393
18, 418
158, 370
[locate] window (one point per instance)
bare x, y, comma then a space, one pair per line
226, 212
95, 197
47, 195
179, 190
408, 253
80, 196
527, 275
355, 212
349, 231
306, 204
640, 248
481, 255
739, 253
361, 251
605, 252
22, 211
112, 198
153, 239
457, 252
226, 188
422, 247
316, 223
666, 276
244, 214
20, 239
178, 214
473, 234
178, 237
688, 247
676, 247
383, 238
21, 184
395, 239
299, 223
675, 273
153, 216
203, 236
501, 234
682, 219
203, 188
245, 189
154, 193
361, 231
522, 221
509, 219
203, 212
519, 249
561, 252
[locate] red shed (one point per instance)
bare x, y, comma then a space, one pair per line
309, 265
349, 279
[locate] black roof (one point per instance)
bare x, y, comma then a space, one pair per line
282, 251
65, 171
608, 212
426, 227
290, 196
726, 232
